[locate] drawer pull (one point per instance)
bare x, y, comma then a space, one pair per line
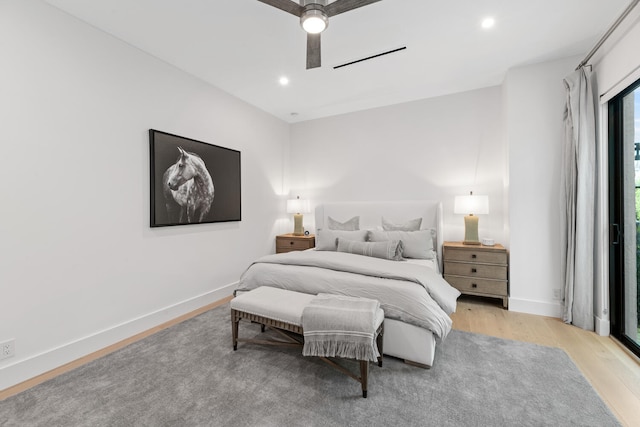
473, 285
473, 270
474, 256
291, 242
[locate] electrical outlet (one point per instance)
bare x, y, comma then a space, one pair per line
556, 294
7, 349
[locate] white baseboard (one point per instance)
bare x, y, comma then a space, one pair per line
31, 367
603, 327
541, 308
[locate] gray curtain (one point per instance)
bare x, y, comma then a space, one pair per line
578, 196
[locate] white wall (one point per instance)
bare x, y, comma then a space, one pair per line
429, 149
80, 268
617, 63
535, 99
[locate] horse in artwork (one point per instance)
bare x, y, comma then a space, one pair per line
188, 184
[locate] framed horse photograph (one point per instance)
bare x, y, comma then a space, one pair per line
192, 182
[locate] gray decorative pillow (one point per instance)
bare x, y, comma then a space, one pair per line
416, 244
412, 225
391, 249
327, 240
349, 225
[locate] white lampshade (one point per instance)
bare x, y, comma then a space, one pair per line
474, 205
298, 206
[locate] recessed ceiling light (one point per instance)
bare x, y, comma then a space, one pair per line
283, 81
488, 23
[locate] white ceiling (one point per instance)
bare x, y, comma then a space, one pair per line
245, 46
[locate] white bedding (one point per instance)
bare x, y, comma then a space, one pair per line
414, 319
410, 292
430, 263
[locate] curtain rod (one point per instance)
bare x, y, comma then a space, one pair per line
608, 33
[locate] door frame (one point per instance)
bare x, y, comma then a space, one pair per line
615, 202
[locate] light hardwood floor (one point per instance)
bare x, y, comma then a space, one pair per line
612, 371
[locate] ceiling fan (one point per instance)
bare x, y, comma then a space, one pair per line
314, 17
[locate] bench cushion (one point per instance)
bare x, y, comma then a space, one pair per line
273, 303
280, 304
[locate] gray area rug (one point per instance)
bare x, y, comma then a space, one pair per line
188, 375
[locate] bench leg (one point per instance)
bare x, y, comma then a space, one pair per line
379, 341
364, 376
235, 319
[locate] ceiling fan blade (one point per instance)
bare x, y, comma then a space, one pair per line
287, 5
341, 6
313, 51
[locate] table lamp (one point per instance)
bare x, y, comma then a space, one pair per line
297, 207
470, 206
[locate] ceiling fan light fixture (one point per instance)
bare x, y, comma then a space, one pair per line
314, 21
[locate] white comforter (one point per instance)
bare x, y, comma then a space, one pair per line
411, 293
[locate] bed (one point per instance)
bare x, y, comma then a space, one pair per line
416, 299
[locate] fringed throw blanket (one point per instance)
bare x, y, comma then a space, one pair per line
340, 326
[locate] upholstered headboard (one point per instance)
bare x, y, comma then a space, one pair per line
371, 214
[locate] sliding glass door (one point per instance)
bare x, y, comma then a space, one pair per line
624, 216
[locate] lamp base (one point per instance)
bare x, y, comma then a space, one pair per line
298, 229
471, 230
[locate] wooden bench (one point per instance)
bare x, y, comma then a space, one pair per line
281, 310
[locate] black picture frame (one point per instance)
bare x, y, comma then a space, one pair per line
181, 192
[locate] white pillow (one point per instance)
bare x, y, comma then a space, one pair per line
416, 244
327, 240
411, 225
391, 250
349, 225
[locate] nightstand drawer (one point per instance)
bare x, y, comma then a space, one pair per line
471, 255
290, 242
486, 271
483, 286
294, 245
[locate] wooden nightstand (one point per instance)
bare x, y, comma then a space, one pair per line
477, 270
289, 242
